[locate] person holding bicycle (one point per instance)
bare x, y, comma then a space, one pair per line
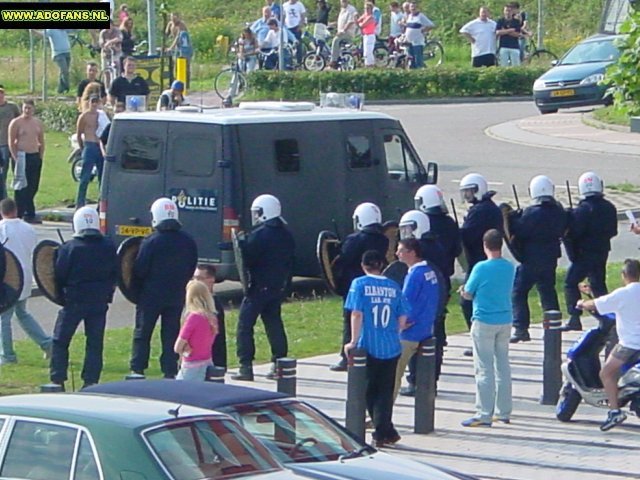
345, 29
270, 45
111, 44
248, 51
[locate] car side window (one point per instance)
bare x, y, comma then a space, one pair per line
359, 151
287, 155
39, 451
141, 152
197, 155
401, 164
86, 465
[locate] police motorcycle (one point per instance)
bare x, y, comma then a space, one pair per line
581, 371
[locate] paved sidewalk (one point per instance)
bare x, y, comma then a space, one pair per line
534, 446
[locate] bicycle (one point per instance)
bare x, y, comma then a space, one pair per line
230, 83
433, 52
76, 40
401, 58
111, 72
535, 57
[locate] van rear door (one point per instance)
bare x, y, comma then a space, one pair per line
195, 183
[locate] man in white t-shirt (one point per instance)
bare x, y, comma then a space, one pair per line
623, 302
295, 18
345, 29
481, 34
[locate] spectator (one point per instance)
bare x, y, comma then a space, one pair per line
367, 24
111, 44
60, 53
295, 18
322, 13
89, 141
395, 24
270, 44
206, 273
489, 287
260, 27
92, 77
128, 38
524, 30
181, 44
20, 238
104, 137
274, 8
26, 143
377, 14
248, 50
481, 34
416, 25
508, 32
123, 13
345, 29
8, 111
128, 84
172, 97
406, 10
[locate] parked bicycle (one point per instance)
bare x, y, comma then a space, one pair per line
230, 83
76, 40
538, 57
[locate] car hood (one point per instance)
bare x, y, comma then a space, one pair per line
563, 73
378, 466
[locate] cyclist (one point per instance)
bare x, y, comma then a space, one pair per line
248, 51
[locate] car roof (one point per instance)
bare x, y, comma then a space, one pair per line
209, 395
257, 112
82, 408
601, 36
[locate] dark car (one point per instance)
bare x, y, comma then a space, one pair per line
575, 81
298, 435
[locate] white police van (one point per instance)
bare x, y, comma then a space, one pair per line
320, 162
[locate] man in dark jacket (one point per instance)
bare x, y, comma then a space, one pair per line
536, 236
268, 254
165, 263
368, 235
592, 225
86, 270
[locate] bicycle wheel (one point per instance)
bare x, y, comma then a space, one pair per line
230, 83
314, 62
541, 58
433, 53
346, 62
76, 169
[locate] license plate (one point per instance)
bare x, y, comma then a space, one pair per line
133, 231
563, 93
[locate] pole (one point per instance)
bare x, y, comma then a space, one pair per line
551, 372
32, 64
44, 68
286, 369
151, 25
540, 45
425, 400
356, 387
283, 37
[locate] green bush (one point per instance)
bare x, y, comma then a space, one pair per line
58, 116
204, 34
396, 84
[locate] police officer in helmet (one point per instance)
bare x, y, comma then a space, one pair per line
164, 265
268, 254
85, 270
592, 225
537, 233
368, 235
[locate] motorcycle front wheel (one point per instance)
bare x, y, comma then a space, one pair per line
568, 402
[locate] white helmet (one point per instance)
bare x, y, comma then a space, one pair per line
86, 222
428, 198
541, 186
163, 209
366, 214
474, 182
590, 184
414, 224
265, 207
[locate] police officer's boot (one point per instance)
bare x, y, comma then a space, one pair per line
574, 323
520, 336
245, 374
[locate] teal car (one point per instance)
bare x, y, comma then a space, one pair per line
95, 437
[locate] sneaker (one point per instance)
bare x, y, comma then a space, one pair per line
468, 352
273, 373
341, 366
475, 422
520, 336
505, 420
408, 391
393, 439
245, 374
614, 418
573, 323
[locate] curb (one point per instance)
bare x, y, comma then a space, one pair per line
589, 120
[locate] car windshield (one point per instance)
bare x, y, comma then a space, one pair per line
295, 432
591, 52
208, 449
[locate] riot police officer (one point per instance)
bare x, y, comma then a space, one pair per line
85, 270
164, 265
536, 237
268, 254
592, 225
483, 215
368, 235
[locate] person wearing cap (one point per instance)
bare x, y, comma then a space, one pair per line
172, 97
85, 272
88, 141
8, 111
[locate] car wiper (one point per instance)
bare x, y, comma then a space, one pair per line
354, 453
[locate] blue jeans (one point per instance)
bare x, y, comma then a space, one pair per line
193, 373
91, 156
417, 52
5, 155
492, 370
30, 326
63, 60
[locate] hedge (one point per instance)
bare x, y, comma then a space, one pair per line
395, 83
57, 115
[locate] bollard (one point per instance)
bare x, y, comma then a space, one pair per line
425, 400
286, 372
51, 388
551, 372
215, 374
135, 376
356, 392
181, 72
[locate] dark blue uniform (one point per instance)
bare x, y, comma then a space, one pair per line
268, 255
483, 215
353, 247
537, 233
592, 225
219, 347
86, 270
164, 265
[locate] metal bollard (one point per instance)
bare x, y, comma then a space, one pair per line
215, 374
356, 392
551, 372
51, 388
286, 369
425, 400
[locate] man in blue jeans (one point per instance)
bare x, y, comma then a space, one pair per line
88, 141
60, 53
489, 287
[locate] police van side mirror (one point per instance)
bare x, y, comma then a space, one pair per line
110, 158
431, 178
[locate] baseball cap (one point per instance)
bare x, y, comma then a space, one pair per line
177, 85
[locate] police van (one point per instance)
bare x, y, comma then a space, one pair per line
320, 162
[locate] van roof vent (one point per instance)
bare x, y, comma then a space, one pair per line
188, 109
278, 106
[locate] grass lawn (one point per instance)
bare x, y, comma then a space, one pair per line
313, 326
612, 115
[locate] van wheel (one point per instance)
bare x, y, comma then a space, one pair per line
568, 403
